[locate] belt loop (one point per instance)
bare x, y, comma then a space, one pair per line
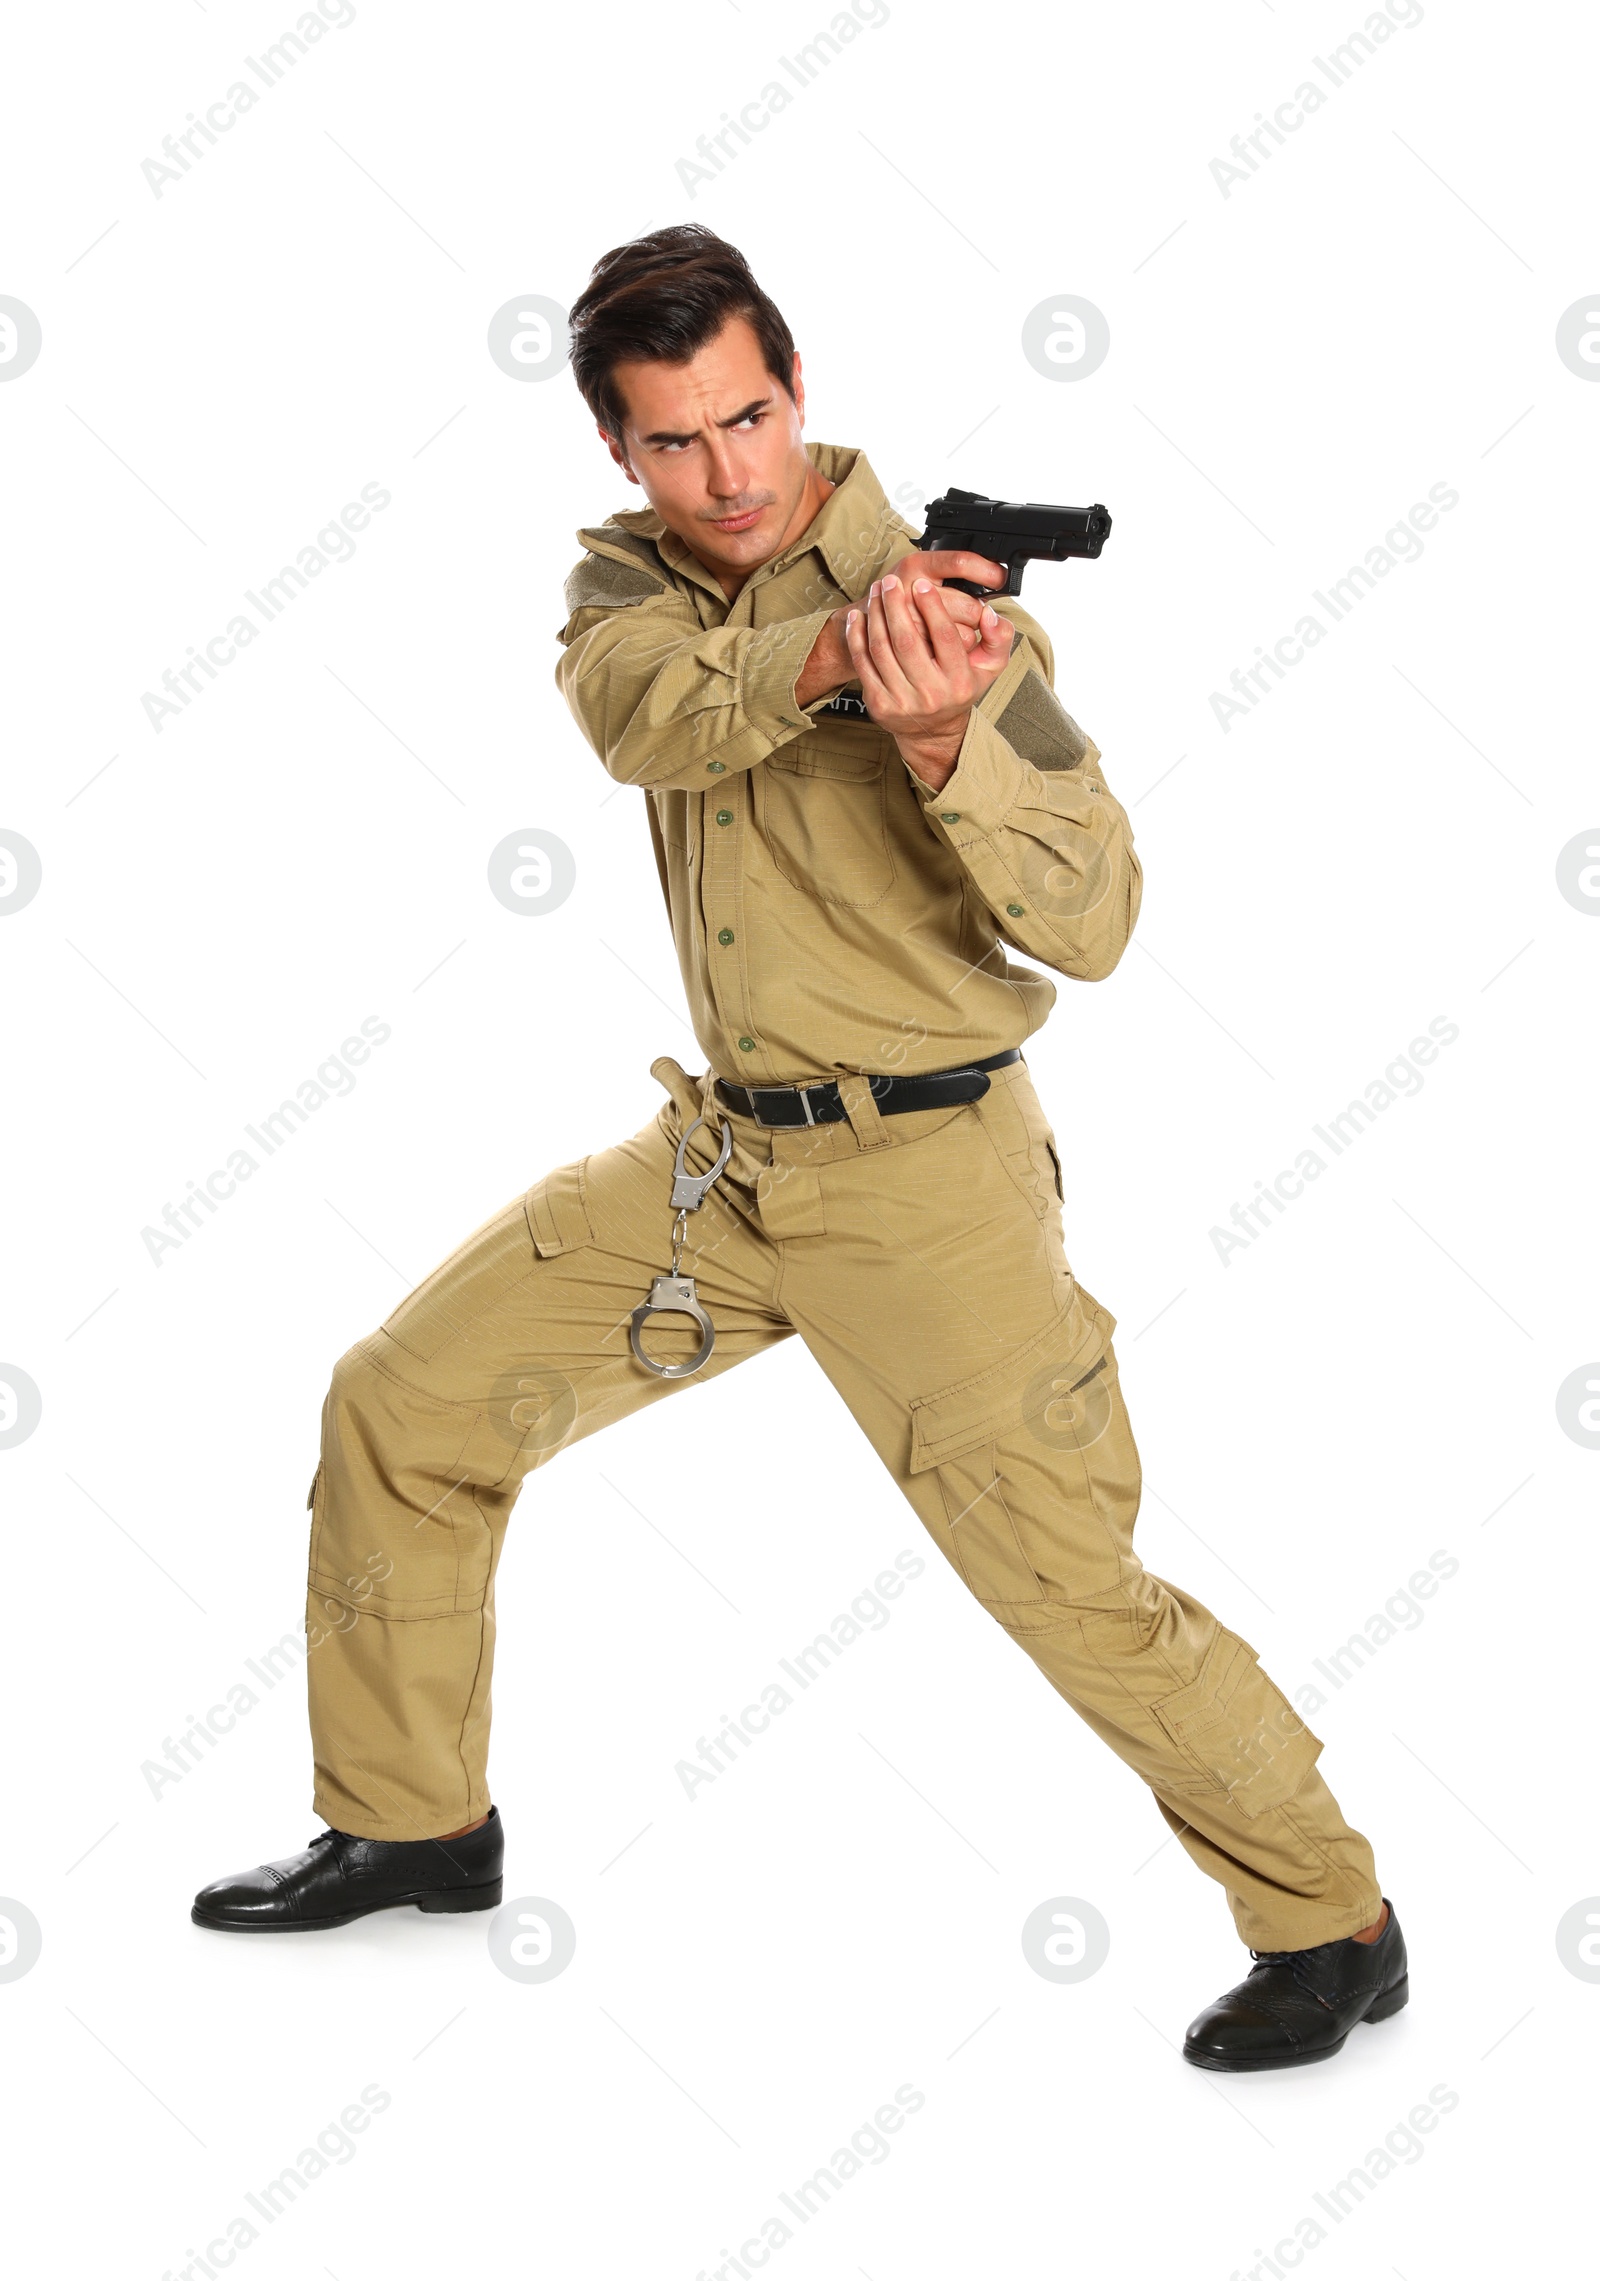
861, 1107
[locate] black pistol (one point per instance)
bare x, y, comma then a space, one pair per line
1013, 532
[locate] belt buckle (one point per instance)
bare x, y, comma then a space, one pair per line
803, 1091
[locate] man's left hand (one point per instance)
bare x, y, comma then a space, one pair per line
918, 681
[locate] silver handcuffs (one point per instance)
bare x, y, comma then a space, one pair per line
672, 1293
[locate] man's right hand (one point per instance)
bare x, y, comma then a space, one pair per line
829, 666
948, 563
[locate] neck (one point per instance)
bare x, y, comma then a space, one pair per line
815, 490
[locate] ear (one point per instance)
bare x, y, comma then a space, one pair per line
617, 453
799, 390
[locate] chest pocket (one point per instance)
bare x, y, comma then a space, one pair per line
821, 808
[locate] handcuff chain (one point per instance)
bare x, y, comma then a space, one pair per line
674, 1293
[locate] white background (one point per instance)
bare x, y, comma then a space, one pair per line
1372, 1381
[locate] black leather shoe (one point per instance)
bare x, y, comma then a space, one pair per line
339, 1878
1299, 2004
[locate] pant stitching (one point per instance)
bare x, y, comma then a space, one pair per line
1314, 1845
455, 1525
477, 1668
1129, 1564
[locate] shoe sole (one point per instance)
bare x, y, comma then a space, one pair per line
1255, 2064
459, 1903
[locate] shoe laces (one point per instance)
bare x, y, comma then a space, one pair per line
1298, 1961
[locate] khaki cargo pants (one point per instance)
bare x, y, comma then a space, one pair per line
920, 1258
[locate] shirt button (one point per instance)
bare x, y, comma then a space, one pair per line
724, 815
1015, 910
747, 1045
949, 815
725, 934
717, 767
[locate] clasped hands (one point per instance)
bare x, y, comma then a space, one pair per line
923, 653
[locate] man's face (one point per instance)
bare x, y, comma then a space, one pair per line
716, 446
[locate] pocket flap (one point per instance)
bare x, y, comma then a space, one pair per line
558, 1211
998, 1399
854, 755
1239, 1728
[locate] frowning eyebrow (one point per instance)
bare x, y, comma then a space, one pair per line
668, 436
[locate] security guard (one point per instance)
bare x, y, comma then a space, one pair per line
861, 788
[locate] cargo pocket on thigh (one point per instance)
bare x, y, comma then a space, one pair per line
552, 1217
557, 1210
1030, 1497
1237, 1731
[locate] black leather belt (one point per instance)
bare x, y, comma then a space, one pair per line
820, 1103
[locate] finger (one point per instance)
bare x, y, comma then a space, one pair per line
950, 652
890, 668
877, 699
901, 693
874, 695
964, 609
998, 632
961, 611
908, 633
989, 659
956, 562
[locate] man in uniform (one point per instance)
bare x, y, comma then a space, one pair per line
861, 790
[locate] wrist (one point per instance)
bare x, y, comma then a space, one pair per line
932, 759
829, 665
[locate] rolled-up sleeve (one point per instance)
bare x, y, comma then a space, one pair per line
668, 702
1027, 811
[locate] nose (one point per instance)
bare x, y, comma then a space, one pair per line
725, 475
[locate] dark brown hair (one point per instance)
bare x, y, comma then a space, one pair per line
662, 297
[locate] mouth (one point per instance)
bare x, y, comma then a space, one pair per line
742, 522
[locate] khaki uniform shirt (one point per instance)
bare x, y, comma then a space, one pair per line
831, 913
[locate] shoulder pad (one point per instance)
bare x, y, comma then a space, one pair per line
599, 581
1038, 727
